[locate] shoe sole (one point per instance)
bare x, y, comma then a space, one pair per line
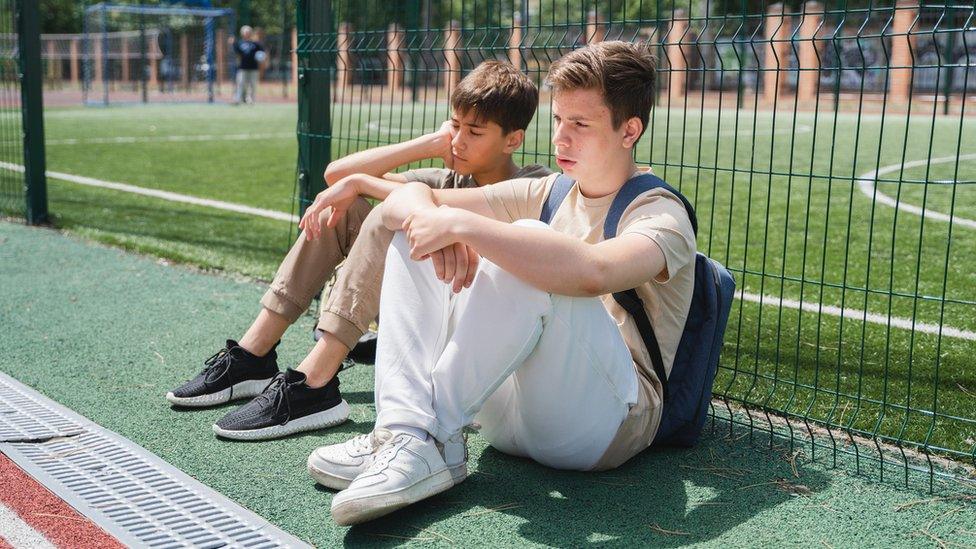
245, 389
366, 508
335, 482
319, 420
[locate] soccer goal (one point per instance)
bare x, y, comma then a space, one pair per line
156, 54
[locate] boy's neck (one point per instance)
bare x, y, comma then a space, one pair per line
609, 182
504, 170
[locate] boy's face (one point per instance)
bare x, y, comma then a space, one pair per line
480, 145
587, 145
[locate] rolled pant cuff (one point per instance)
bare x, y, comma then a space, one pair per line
407, 417
278, 302
342, 328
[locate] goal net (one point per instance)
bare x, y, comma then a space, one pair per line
156, 54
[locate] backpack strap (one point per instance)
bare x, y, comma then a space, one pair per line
628, 299
557, 193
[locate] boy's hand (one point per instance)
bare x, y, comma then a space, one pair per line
338, 198
441, 144
429, 233
456, 265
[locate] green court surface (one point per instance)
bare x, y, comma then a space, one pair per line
107, 333
780, 199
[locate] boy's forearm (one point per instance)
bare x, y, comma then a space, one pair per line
381, 160
405, 200
548, 260
375, 187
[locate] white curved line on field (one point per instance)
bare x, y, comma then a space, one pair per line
859, 315
163, 195
866, 183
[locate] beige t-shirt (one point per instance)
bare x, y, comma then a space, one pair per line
660, 216
443, 178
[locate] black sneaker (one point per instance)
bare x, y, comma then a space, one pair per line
286, 406
232, 373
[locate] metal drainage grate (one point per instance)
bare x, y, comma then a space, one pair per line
129, 492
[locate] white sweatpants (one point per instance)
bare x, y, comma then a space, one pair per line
247, 85
548, 376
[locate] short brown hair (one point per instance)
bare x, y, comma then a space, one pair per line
497, 92
624, 72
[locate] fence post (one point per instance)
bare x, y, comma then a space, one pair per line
594, 29
677, 64
345, 62
314, 101
32, 110
220, 46
515, 41
452, 40
902, 45
74, 62
394, 44
124, 61
809, 61
185, 60
294, 57
777, 33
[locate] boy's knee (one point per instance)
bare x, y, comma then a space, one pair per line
534, 223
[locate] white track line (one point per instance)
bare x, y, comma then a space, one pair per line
169, 138
856, 314
866, 183
164, 195
18, 533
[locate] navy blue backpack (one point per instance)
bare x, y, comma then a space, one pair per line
688, 390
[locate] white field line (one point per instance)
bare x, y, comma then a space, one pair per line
164, 195
169, 138
16, 532
853, 314
866, 183
856, 314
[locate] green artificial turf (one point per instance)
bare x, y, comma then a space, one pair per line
107, 333
777, 200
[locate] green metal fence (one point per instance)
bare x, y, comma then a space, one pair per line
22, 163
829, 150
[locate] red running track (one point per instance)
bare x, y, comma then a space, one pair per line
46, 513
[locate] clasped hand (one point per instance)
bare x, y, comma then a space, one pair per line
429, 234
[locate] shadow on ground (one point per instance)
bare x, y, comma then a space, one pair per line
666, 497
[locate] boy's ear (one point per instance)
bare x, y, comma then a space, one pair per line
513, 140
632, 131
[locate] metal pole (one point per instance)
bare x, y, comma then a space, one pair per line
32, 109
283, 50
104, 59
142, 57
314, 102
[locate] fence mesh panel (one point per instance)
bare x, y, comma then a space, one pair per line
830, 154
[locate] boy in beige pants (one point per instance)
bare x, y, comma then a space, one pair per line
491, 108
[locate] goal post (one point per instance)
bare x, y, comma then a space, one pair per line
156, 54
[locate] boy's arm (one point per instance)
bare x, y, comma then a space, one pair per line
380, 161
548, 260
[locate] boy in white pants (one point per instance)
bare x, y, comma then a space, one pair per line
536, 350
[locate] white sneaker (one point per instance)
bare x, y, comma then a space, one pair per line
404, 470
336, 465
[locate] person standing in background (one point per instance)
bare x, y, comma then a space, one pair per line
250, 54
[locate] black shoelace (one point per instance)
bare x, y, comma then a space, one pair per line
216, 365
276, 395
